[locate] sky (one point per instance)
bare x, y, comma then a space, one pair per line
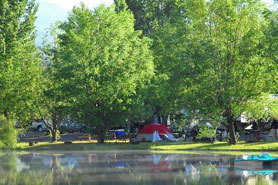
51, 11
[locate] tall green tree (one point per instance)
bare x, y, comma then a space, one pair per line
19, 59
270, 46
150, 14
168, 48
104, 63
225, 65
265, 107
51, 106
160, 19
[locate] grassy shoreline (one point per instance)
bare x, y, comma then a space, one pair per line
110, 145
173, 147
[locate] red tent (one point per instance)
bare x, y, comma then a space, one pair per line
151, 128
152, 131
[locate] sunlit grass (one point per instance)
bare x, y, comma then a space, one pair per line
25, 145
241, 146
197, 152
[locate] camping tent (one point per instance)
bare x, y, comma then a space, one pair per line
154, 132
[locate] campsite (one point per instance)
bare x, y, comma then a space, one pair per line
146, 92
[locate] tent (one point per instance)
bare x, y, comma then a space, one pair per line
155, 132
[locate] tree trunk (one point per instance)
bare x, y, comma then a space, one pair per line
6, 114
54, 130
231, 124
232, 140
100, 136
54, 135
232, 132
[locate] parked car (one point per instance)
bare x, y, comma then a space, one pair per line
39, 126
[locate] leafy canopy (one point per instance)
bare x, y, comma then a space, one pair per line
19, 61
104, 62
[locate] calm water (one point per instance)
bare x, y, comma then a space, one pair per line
129, 167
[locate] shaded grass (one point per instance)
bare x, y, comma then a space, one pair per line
84, 145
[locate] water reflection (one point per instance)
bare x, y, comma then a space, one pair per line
127, 168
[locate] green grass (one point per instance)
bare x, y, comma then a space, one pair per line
173, 147
220, 146
198, 152
84, 145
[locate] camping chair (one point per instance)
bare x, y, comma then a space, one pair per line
121, 135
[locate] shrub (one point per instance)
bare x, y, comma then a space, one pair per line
8, 133
1, 145
206, 132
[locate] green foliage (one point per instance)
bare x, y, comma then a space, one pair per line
163, 21
103, 65
201, 50
226, 40
206, 132
264, 107
120, 5
20, 72
270, 46
225, 68
51, 106
8, 133
216, 59
152, 14
2, 145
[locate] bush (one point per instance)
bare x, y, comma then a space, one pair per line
206, 132
8, 133
1, 145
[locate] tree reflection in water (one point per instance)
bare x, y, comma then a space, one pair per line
124, 168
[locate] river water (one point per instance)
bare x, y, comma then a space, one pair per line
127, 168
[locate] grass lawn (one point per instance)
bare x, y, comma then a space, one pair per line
84, 145
176, 147
218, 146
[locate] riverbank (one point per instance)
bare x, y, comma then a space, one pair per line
160, 146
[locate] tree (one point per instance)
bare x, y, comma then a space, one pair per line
104, 63
270, 46
19, 60
225, 66
265, 107
168, 49
150, 14
160, 19
51, 107
120, 5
